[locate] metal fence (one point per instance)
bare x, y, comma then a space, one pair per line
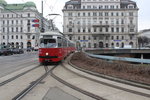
136, 60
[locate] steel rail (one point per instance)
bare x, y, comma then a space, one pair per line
17, 76
30, 87
76, 88
111, 85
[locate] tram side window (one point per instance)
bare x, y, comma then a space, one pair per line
59, 42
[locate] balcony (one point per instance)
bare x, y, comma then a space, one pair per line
100, 25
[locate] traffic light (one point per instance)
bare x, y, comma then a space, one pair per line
42, 30
35, 25
36, 21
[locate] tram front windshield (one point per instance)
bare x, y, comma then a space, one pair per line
47, 43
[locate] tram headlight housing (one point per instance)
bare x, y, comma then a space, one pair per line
46, 53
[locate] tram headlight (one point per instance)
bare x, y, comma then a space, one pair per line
46, 53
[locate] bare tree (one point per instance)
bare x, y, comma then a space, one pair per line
143, 40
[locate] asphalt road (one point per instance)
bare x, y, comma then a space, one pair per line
9, 64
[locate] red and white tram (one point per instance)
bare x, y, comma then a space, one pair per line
54, 47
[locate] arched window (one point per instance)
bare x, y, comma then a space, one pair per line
117, 44
112, 45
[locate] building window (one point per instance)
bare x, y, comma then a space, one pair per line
12, 22
3, 29
106, 7
70, 38
28, 36
122, 21
7, 22
117, 38
117, 21
16, 36
78, 14
16, 21
21, 22
89, 30
88, 7
101, 29
131, 21
12, 29
3, 37
100, 14
16, 29
131, 37
122, 37
130, 13
94, 29
12, 37
3, 22
112, 14
112, 37
21, 29
94, 14
94, 7
117, 14
107, 37
89, 14
106, 29
89, 38
33, 37
112, 29
89, 45
83, 14
122, 29
28, 14
83, 29
106, 13
21, 37
83, 7
28, 29
69, 14
78, 37
131, 29
117, 29
117, 44
70, 29
84, 38
78, 30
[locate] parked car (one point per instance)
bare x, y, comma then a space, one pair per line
21, 51
6, 51
17, 51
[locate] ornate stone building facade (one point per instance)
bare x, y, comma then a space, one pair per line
17, 28
101, 23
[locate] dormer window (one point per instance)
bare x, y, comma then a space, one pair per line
130, 6
70, 6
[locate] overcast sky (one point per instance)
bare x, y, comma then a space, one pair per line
56, 6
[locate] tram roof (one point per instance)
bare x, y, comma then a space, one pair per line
52, 33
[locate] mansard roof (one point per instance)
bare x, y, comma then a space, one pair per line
125, 3
16, 6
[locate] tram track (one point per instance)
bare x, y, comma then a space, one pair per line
111, 85
17, 76
76, 88
31, 86
97, 97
